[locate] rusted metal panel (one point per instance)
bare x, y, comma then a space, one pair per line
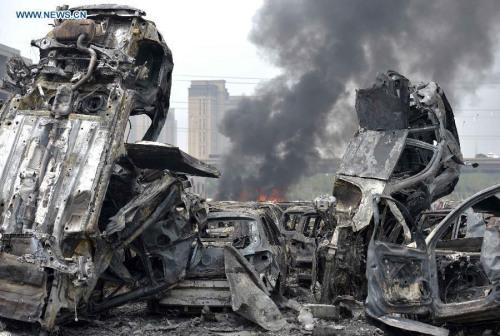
70, 30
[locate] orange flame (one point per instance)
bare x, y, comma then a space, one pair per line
273, 197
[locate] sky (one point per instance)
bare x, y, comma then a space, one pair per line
209, 40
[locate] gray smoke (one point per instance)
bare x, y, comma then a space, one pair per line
327, 47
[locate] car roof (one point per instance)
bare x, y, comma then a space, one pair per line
299, 209
234, 213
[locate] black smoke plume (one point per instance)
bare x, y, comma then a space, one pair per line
328, 47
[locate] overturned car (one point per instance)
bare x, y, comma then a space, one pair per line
87, 221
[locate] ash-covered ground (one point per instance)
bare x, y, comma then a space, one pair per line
135, 319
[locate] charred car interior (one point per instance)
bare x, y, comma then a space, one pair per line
90, 222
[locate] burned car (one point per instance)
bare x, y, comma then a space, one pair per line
241, 262
88, 222
406, 147
442, 278
274, 210
304, 227
302, 245
468, 225
285, 205
289, 220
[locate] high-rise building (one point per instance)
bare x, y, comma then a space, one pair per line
139, 125
208, 101
168, 133
234, 101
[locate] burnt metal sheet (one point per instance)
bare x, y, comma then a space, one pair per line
373, 154
385, 106
490, 251
412, 325
249, 296
199, 293
461, 244
76, 167
23, 289
153, 155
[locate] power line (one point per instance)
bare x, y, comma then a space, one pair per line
189, 80
225, 104
231, 77
463, 85
268, 78
456, 116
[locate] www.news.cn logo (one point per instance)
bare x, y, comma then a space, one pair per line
64, 15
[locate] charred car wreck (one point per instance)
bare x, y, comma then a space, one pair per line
433, 266
406, 147
87, 221
304, 227
442, 278
241, 263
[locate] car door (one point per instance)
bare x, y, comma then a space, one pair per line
398, 273
288, 224
303, 244
465, 269
277, 273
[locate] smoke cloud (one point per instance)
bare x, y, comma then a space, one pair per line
328, 47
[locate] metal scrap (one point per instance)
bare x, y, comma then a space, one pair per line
249, 295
